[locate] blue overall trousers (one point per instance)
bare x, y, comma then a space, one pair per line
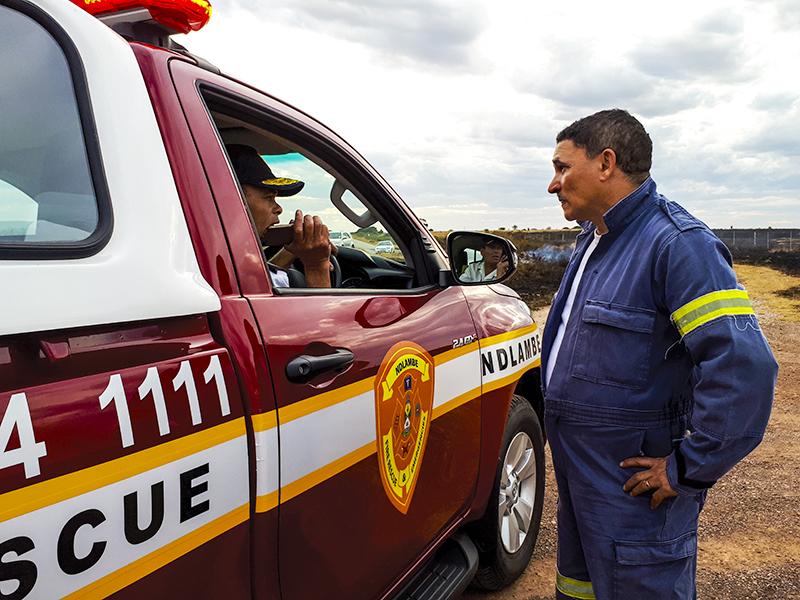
612, 545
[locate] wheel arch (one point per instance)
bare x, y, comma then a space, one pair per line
529, 387
500, 565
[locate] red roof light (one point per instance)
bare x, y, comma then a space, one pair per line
181, 15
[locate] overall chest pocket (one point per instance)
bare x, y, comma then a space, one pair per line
613, 344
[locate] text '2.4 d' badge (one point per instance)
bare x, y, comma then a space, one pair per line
403, 409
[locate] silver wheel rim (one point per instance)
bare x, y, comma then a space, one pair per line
517, 492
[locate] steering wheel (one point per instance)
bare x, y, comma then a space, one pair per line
336, 274
297, 274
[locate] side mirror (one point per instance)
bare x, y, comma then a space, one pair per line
480, 258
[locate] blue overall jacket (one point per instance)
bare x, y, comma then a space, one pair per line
662, 336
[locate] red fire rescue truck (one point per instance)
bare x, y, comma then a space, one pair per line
173, 423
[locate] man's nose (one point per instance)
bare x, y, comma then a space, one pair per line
555, 186
278, 209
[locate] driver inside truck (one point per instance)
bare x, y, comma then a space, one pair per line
310, 243
493, 264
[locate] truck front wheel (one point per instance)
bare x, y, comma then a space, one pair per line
506, 534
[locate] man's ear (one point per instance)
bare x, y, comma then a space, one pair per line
608, 163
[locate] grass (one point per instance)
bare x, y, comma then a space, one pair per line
768, 291
772, 280
370, 235
786, 284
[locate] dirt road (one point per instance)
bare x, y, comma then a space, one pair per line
749, 537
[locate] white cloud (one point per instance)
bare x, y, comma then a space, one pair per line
710, 51
433, 32
458, 103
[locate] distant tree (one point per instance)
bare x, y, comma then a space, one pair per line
501, 229
371, 234
514, 227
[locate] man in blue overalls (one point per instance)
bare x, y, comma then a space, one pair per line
657, 379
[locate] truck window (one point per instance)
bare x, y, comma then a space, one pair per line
375, 251
315, 199
47, 196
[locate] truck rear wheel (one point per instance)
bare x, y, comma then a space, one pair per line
506, 534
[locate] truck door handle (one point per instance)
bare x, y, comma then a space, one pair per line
304, 368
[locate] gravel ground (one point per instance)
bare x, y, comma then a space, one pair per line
749, 537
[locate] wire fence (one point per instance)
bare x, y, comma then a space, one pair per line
771, 239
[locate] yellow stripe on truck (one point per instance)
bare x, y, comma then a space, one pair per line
135, 571
310, 454
52, 491
136, 514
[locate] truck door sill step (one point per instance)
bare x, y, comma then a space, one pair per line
447, 574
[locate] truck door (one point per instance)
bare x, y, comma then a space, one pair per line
378, 414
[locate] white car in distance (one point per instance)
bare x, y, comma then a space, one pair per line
342, 238
384, 247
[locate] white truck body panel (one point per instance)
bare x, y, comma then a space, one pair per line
148, 269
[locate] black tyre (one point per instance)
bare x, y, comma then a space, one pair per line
506, 534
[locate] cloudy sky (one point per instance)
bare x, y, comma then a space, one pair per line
457, 102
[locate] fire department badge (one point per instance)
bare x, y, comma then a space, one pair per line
403, 407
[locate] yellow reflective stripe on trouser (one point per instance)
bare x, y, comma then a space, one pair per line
709, 307
574, 588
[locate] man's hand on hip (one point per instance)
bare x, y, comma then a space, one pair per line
654, 479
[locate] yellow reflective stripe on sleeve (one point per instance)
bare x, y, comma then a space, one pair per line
709, 307
574, 588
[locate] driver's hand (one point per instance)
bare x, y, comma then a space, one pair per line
311, 242
502, 266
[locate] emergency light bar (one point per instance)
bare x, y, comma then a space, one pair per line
182, 16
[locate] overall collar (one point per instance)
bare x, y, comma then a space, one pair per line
627, 209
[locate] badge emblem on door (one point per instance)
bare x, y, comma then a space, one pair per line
403, 410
